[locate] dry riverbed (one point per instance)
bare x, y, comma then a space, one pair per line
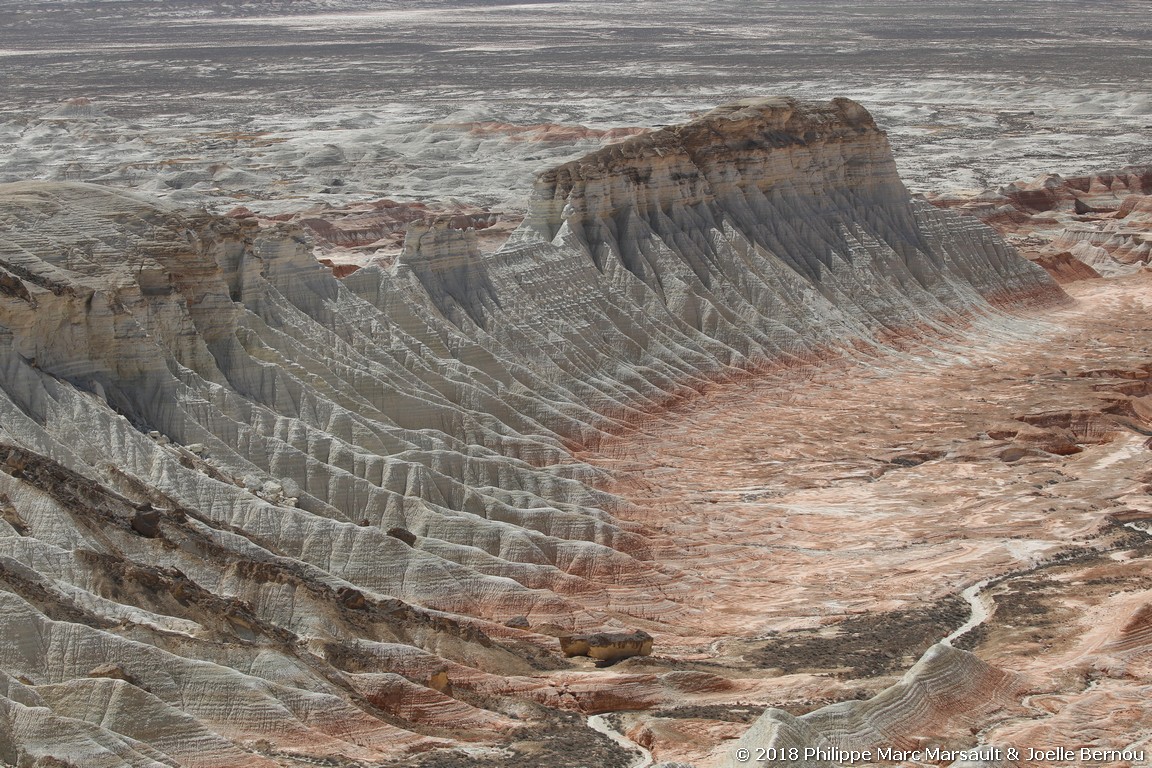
828, 521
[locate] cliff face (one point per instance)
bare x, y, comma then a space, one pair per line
208, 436
812, 186
761, 232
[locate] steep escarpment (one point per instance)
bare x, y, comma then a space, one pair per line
289, 515
765, 232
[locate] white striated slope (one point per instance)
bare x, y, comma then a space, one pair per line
225, 471
944, 693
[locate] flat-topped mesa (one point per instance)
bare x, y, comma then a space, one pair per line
760, 143
765, 232
812, 186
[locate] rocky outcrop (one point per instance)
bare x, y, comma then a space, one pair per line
81, 109
1076, 227
247, 483
1064, 267
379, 228
1018, 201
607, 646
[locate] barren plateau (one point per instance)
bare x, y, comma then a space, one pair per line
283, 107
574, 384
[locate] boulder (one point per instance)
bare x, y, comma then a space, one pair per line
607, 646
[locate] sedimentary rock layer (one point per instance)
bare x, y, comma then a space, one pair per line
288, 515
945, 692
1077, 228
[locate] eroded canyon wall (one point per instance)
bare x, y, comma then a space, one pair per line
274, 511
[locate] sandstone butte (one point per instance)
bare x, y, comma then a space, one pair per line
719, 387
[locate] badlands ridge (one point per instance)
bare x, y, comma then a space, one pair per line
252, 514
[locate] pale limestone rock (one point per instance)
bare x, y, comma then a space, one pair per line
444, 396
945, 691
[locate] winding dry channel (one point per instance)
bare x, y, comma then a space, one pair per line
599, 724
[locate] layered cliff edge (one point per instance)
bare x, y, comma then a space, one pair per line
250, 512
